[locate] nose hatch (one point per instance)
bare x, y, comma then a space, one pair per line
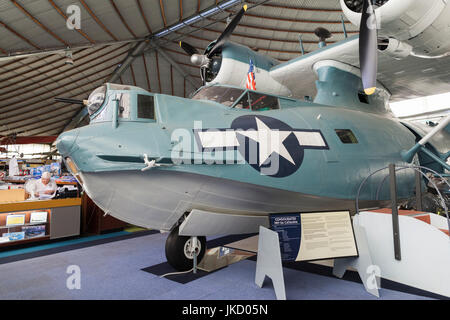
66, 142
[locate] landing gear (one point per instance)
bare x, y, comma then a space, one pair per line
180, 250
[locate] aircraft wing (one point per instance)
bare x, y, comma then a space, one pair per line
408, 78
297, 74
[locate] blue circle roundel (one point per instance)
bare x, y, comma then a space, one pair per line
269, 145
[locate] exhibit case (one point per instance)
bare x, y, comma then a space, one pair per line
32, 221
25, 226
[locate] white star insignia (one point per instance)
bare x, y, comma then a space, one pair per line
270, 141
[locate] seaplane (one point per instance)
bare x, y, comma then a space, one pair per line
262, 136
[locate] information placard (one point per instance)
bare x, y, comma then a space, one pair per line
15, 220
38, 217
315, 235
288, 227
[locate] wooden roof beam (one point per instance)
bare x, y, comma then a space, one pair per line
21, 8
141, 10
122, 18
4, 25
63, 15
98, 20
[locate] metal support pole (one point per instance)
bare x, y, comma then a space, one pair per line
419, 191
115, 116
194, 244
343, 26
395, 223
301, 45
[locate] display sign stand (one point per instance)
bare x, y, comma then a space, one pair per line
363, 264
268, 262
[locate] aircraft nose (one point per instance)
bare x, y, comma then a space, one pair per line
66, 141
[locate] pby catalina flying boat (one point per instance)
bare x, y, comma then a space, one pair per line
220, 162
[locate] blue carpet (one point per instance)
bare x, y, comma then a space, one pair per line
213, 242
67, 245
113, 271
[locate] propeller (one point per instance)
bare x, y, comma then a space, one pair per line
227, 32
204, 60
368, 48
190, 50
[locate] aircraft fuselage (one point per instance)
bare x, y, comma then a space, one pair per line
300, 157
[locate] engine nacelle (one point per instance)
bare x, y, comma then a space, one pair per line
234, 66
400, 19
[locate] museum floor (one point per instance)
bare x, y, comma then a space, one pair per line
111, 268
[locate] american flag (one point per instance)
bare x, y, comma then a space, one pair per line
251, 83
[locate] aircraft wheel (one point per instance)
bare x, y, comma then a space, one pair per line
178, 251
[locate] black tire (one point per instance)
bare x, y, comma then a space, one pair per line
175, 251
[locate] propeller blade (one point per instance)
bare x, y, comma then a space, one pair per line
228, 31
368, 48
190, 50
203, 75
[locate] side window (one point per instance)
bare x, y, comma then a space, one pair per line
262, 102
96, 100
243, 103
146, 107
124, 106
346, 136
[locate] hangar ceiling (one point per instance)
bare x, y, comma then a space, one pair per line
112, 30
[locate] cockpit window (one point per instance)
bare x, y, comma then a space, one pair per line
224, 95
96, 100
243, 103
263, 102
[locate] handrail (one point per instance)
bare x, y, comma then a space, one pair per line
416, 168
442, 176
